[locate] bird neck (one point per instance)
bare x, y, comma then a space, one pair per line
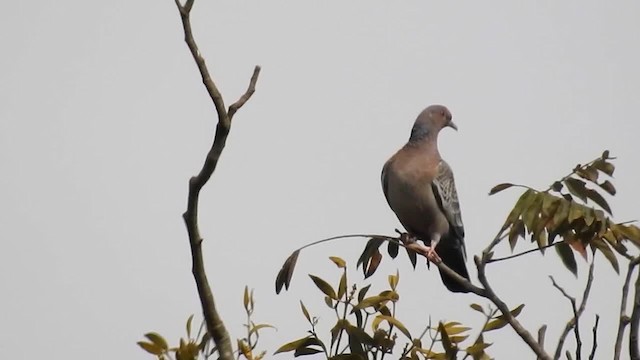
427, 144
422, 132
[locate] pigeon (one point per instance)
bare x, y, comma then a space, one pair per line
419, 187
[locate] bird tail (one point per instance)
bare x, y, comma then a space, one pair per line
454, 258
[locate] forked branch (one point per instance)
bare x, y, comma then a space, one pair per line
214, 322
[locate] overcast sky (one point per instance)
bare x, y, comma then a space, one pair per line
103, 118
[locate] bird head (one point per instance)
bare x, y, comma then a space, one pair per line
430, 121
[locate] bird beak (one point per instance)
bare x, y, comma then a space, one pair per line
453, 125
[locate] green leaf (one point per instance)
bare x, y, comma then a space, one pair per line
449, 349
342, 287
363, 292
329, 302
360, 334
496, 189
286, 272
516, 231
376, 258
372, 245
324, 287
292, 345
567, 257
522, 203
189, 321
575, 212
306, 351
150, 348
477, 308
305, 312
393, 280
604, 166
373, 301
259, 327
392, 321
500, 321
598, 199
605, 249
413, 257
157, 340
608, 187
392, 248
588, 173
245, 300
340, 263
577, 188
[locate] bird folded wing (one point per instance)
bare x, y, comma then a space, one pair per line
444, 189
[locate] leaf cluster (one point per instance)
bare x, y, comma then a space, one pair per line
574, 210
366, 325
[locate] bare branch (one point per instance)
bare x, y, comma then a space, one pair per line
524, 252
595, 338
634, 352
624, 319
541, 333
247, 95
422, 250
504, 309
215, 326
573, 323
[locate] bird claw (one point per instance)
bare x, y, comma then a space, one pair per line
432, 255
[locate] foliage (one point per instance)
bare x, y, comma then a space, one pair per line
556, 212
200, 346
366, 326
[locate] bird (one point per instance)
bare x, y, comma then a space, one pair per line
419, 187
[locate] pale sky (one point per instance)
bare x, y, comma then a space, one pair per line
103, 119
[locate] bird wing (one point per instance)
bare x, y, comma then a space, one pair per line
444, 190
385, 182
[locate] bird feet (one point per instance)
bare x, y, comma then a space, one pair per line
410, 241
432, 255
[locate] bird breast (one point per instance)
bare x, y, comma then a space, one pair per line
411, 198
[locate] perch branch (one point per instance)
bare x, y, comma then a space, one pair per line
624, 319
215, 325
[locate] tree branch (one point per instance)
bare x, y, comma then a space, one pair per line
491, 295
634, 352
524, 252
624, 319
215, 325
541, 333
595, 338
488, 292
577, 312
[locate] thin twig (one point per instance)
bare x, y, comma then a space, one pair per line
573, 323
623, 318
488, 318
524, 252
595, 338
215, 326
